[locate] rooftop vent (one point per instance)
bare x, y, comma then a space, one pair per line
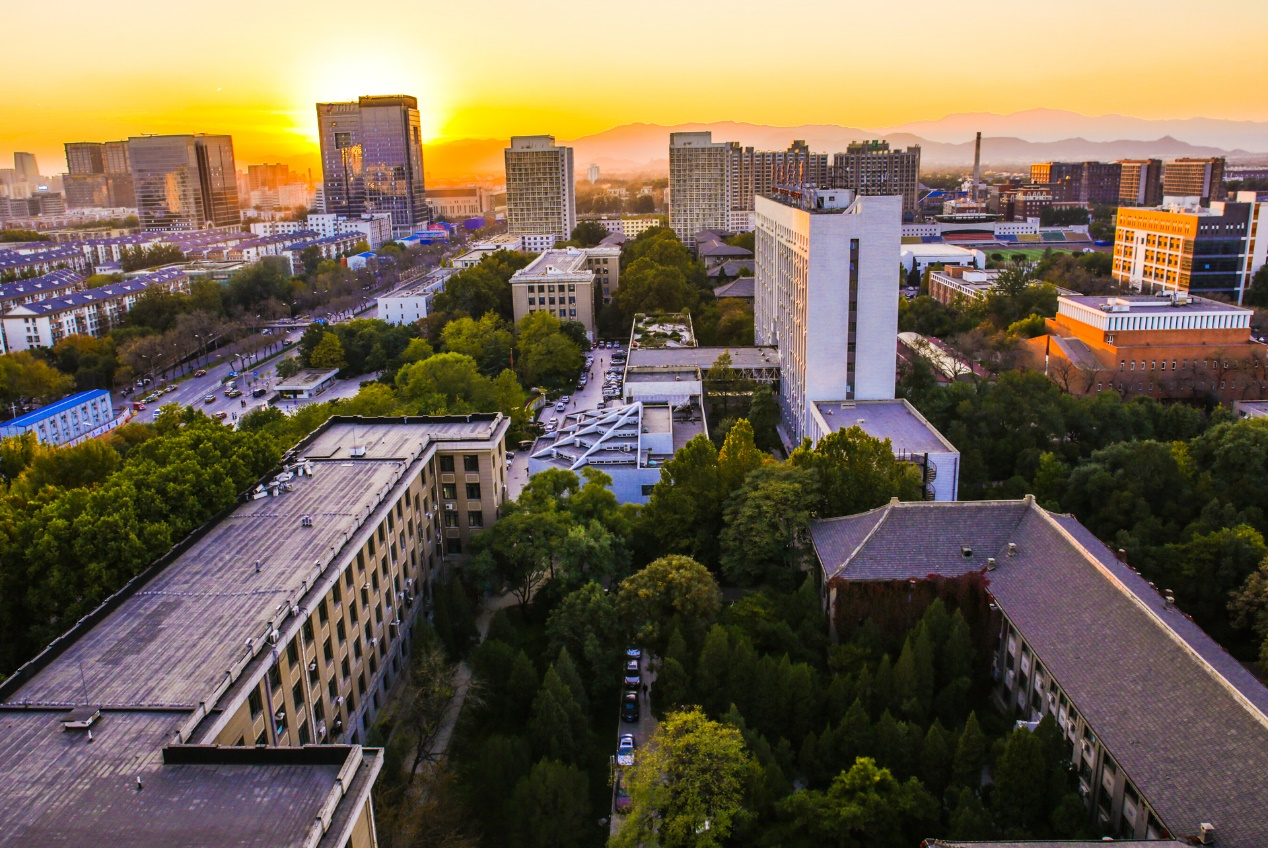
966, 551
1012, 549
81, 718
1206, 833
357, 450
990, 564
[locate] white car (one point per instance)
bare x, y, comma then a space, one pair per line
625, 750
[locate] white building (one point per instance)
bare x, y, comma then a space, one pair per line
701, 184
412, 302
307, 384
921, 256
375, 229
465, 202
826, 296
44, 323
540, 190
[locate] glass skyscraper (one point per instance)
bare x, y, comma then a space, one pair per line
372, 160
184, 182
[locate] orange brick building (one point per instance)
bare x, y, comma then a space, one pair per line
1169, 348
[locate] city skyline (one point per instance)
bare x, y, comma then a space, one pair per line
263, 95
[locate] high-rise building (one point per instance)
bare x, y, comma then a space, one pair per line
1201, 178
98, 175
1183, 249
84, 158
824, 295
712, 185
871, 168
701, 183
540, 190
1079, 182
184, 182
372, 160
268, 176
27, 170
1140, 183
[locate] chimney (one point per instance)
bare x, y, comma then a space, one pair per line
977, 164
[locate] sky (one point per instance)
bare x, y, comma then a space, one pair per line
98, 71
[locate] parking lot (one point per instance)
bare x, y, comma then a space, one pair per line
642, 730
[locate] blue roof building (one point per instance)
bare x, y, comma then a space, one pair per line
67, 421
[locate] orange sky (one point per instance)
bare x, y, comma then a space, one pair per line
99, 71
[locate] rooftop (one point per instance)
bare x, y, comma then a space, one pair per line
632, 435
65, 403
702, 357
52, 281
308, 377
742, 287
896, 420
428, 284
569, 263
81, 298
1155, 305
1180, 716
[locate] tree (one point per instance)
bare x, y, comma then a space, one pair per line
763, 414
687, 784
671, 588
856, 472
328, 353
552, 807
970, 755
764, 525
515, 553
1257, 294
427, 699
558, 728
588, 233
865, 806
737, 457
685, 509
585, 623
1021, 785
970, 820
487, 341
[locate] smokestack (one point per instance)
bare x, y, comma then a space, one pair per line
977, 162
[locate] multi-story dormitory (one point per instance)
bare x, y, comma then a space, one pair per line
1168, 732
223, 696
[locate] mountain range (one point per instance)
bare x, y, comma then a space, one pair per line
1008, 141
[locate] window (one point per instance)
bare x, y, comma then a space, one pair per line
308, 631
275, 676
255, 703
470, 462
337, 593
356, 647
346, 668
263, 738
454, 546
297, 694
332, 689
304, 737
292, 653
475, 518
473, 491
328, 650
451, 519
446, 464
449, 492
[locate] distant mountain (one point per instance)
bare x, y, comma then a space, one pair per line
1009, 141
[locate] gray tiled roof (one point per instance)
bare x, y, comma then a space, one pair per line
741, 287
1176, 712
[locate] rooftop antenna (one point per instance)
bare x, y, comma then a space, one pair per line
977, 164
83, 681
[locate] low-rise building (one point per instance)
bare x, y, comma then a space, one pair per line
712, 249
330, 247
559, 282
464, 202
52, 284
224, 695
1168, 733
306, 384
740, 288
412, 301
68, 421
42, 260
921, 256
43, 323
1170, 348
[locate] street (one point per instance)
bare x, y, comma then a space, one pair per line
643, 729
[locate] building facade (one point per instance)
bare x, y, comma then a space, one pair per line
412, 301
1189, 177
541, 194
560, 282
871, 168
1192, 248
1140, 182
184, 182
467, 202
372, 160
825, 296
702, 183
67, 421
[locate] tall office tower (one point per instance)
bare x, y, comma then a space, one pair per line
372, 160
85, 180
824, 294
871, 169
269, 176
1202, 178
85, 157
27, 170
701, 183
1140, 183
184, 182
540, 190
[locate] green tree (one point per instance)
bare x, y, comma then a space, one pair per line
765, 525
558, 728
970, 755
970, 820
672, 588
856, 472
763, 414
328, 353
515, 553
588, 233
685, 509
1021, 786
487, 341
586, 624
737, 457
521, 688
552, 807
687, 784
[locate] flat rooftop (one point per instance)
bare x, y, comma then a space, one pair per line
896, 420
307, 377
569, 262
427, 284
1154, 305
398, 438
702, 357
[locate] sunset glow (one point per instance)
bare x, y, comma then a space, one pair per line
487, 70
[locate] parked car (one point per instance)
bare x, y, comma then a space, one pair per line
625, 750
138, 405
222, 415
565, 398
209, 399
602, 405
622, 802
559, 407
629, 707
633, 675
634, 653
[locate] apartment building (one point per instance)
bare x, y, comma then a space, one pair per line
1167, 731
1140, 182
1169, 348
825, 296
372, 160
412, 302
871, 168
1186, 247
226, 692
330, 247
41, 259
68, 421
541, 195
1189, 177
605, 262
43, 323
1080, 182
52, 284
561, 282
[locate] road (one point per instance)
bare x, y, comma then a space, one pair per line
587, 398
643, 730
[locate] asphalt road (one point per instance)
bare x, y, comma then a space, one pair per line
642, 730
